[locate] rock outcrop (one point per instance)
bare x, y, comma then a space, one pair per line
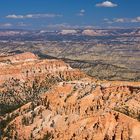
75, 108
27, 66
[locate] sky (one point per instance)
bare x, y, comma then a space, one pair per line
67, 14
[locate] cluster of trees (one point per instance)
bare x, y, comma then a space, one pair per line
17, 93
129, 112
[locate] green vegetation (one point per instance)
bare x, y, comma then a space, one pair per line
129, 112
48, 136
17, 93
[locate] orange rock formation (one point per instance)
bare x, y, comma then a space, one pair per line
77, 108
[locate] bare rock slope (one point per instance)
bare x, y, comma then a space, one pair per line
76, 107
27, 66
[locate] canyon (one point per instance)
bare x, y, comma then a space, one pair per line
110, 54
42, 99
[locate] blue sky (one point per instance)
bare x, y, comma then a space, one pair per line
51, 14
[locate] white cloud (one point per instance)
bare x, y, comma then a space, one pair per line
135, 20
15, 16
106, 4
122, 20
28, 16
6, 25
21, 24
81, 13
66, 26
59, 26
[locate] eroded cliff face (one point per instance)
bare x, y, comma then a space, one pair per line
76, 108
79, 110
27, 56
28, 66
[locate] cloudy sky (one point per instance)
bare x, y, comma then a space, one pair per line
53, 14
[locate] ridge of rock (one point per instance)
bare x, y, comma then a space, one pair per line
28, 66
76, 107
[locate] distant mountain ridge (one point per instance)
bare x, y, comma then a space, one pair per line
78, 32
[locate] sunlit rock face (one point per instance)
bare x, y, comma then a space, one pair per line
90, 32
27, 66
76, 107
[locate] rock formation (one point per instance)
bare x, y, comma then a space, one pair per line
27, 65
76, 107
